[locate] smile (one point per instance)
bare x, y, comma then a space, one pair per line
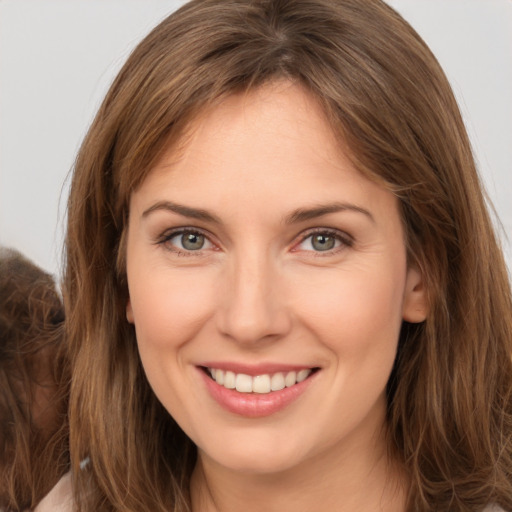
262, 384
251, 392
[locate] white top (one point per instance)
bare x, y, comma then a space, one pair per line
59, 499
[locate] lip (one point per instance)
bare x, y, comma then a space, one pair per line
255, 405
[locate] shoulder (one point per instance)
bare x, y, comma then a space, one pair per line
59, 499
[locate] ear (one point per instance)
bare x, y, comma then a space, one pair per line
415, 307
129, 312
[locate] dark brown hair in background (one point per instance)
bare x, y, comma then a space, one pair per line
34, 380
386, 97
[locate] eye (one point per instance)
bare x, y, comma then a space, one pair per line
323, 241
186, 241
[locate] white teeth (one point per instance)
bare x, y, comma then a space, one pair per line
229, 380
277, 382
290, 379
243, 383
262, 384
303, 375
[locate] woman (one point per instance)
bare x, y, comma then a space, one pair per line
34, 382
284, 291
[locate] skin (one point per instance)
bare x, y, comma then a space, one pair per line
259, 291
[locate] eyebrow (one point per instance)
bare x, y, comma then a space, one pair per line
297, 216
304, 214
185, 211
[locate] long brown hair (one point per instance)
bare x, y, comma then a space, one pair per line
34, 380
449, 396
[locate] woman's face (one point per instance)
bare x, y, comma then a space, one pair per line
259, 254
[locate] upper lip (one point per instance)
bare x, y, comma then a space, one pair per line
255, 369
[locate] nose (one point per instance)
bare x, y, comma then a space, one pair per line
252, 307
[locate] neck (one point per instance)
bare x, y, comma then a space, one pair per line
362, 478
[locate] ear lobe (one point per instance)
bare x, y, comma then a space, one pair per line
415, 307
129, 312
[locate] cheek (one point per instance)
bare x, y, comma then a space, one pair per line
168, 312
357, 310
169, 309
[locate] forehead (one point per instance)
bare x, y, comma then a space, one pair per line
272, 143
277, 108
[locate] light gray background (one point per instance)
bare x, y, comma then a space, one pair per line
57, 58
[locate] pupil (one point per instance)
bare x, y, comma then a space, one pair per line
192, 241
323, 242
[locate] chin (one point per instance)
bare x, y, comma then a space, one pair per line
257, 464
257, 456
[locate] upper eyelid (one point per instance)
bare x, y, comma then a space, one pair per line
172, 232
345, 239
330, 231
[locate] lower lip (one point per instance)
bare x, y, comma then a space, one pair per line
255, 405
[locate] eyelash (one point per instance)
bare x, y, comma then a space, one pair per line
167, 237
344, 240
